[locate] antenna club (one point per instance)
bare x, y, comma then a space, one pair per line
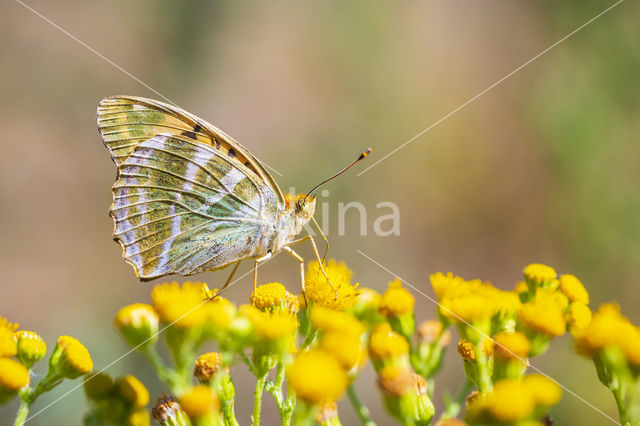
364, 154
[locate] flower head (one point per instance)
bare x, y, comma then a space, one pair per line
396, 300
317, 377
571, 287
539, 275
384, 343
31, 347
543, 316
347, 348
168, 412
511, 345
199, 401
138, 323
578, 317
13, 376
98, 385
543, 390
133, 390
337, 293
70, 359
467, 350
207, 365
431, 330
179, 304
326, 319
274, 297
8, 346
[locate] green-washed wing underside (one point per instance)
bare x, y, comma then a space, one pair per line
183, 207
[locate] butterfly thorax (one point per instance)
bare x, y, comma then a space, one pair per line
298, 212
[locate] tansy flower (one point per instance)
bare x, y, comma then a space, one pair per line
543, 316
339, 293
98, 385
8, 346
347, 348
179, 305
539, 273
578, 317
327, 414
511, 345
31, 347
206, 366
396, 380
571, 287
442, 284
368, 301
276, 325
396, 300
543, 390
70, 359
467, 350
274, 297
509, 401
521, 287
385, 343
168, 412
13, 376
317, 377
139, 417
138, 324
133, 390
326, 319
405, 395
219, 314
199, 401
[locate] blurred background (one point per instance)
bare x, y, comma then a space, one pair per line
542, 168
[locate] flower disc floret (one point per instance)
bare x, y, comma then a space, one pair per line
316, 377
338, 293
571, 287
396, 300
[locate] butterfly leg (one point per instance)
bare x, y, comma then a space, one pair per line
301, 260
226, 284
255, 270
326, 250
320, 261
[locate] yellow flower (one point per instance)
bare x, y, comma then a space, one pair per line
539, 274
609, 328
543, 316
180, 305
317, 377
199, 401
274, 297
339, 293
206, 366
368, 299
13, 376
521, 287
345, 347
571, 287
276, 325
139, 417
70, 358
509, 401
133, 390
138, 323
219, 313
31, 347
8, 345
578, 317
543, 390
98, 385
385, 343
511, 345
467, 350
443, 284
326, 319
396, 380
548, 295
396, 300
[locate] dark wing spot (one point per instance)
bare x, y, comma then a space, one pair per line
198, 128
217, 143
231, 153
189, 134
246, 163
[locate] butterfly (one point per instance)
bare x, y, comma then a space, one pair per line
188, 198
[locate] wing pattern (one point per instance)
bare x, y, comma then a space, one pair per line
187, 197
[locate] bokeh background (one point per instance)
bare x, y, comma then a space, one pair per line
543, 168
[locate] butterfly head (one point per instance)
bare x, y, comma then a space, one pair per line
303, 205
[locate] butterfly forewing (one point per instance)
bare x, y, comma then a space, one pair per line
183, 203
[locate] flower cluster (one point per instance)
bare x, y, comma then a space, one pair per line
20, 350
306, 351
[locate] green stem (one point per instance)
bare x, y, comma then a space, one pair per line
484, 375
257, 399
247, 361
308, 339
22, 414
619, 396
452, 407
167, 375
361, 410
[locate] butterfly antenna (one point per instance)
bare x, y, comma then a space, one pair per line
360, 157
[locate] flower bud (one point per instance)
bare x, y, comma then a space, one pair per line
138, 324
98, 386
168, 412
207, 365
70, 359
13, 376
201, 404
133, 391
31, 348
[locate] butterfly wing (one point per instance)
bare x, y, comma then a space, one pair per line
185, 201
